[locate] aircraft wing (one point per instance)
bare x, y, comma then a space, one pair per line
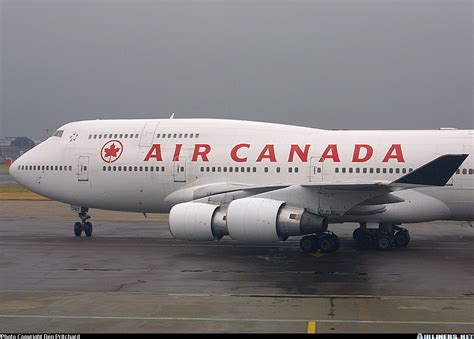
328, 198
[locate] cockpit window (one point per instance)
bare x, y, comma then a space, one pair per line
58, 133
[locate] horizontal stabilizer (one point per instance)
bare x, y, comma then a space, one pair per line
435, 173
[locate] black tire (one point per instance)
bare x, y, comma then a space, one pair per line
357, 232
401, 238
88, 229
308, 244
78, 229
365, 241
383, 242
326, 243
337, 243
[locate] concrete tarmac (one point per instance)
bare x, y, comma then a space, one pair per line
132, 276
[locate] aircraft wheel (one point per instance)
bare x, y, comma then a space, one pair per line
308, 244
78, 229
401, 238
383, 242
88, 229
329, 243
357, 232
364, 241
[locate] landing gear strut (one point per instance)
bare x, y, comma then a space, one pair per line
385, 237
84, 225
325, 242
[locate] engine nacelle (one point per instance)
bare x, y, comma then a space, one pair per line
192, 221
268, 220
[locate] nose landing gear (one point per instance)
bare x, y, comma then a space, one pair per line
84, 225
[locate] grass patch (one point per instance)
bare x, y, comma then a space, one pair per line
17, 192
4, 168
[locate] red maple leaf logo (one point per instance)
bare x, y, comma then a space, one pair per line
111, 151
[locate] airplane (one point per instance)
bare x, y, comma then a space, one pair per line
257, 182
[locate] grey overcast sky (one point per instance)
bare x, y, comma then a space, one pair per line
378, 64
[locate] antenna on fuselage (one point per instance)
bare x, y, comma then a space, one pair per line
172, 116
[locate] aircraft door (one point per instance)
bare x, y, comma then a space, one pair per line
179, 170
83, 168
315, 169
148, 133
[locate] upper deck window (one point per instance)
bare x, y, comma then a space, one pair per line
58, 133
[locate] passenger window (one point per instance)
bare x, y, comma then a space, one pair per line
90, 136
464, 171
110, 136
191, 135
458, 171
390, 170
207, 169
197, 135
146, 168
236, 169
104, 168
357, 170
218, 169
278, 169
265, 169
100, 136
364, 170
343, 170
471, 171
185, 135
231, 169
135, 168
125, 168
169, 135
254, 169
296, 169
180, 135
115, 136
126, 136
350, 169
136, 136
377, 170
290, 170
248, 169
95, 136
162, 168
174, 136
336, 170
202, 169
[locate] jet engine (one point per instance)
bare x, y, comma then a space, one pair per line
246, 219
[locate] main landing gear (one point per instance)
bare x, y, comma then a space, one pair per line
385, 237
84, 225
325, 242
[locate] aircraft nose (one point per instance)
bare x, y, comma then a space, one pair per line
13, 170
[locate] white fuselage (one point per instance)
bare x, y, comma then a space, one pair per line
139, 165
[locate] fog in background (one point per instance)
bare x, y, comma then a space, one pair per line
328, 64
